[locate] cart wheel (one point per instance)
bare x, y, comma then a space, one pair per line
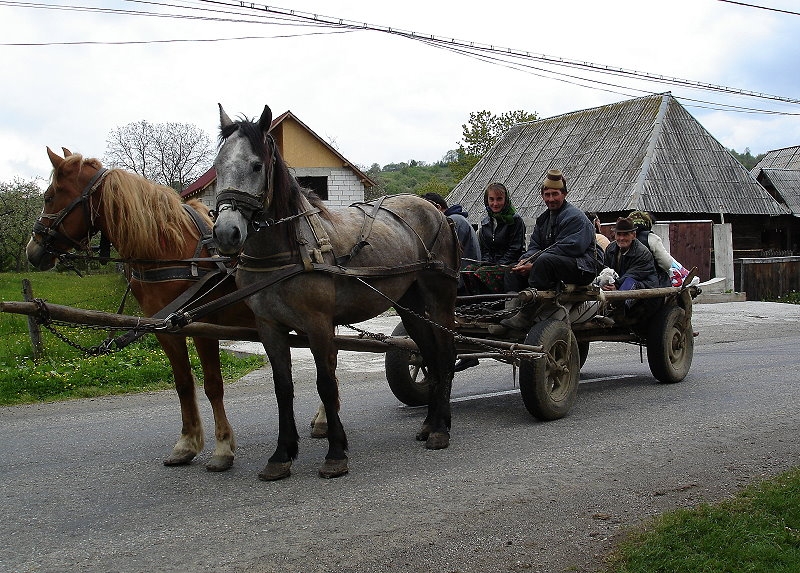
583, 351
549, 388
670, 345
406, 373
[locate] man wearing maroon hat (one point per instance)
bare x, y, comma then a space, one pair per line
561, 249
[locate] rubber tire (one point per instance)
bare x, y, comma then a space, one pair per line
549, 395
403, 371
583, 351
669, 349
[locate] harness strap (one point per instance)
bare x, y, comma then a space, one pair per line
279, 275
209, 281
366, 229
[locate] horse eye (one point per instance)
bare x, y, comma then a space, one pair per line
258, 167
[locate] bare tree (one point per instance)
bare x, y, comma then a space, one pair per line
173, 154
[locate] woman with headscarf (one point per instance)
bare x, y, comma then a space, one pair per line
502, 241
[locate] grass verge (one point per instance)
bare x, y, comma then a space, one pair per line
757, 531
65, 372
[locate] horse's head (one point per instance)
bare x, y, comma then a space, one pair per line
68, 216
245, 167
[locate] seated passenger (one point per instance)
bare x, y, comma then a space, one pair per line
501, 237
670, 271
467, 238
561, 250
633, 262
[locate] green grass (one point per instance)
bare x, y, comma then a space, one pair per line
758, 531
65, 372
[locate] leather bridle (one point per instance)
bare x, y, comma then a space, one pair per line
51, 233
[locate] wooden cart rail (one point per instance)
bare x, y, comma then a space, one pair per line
202, 329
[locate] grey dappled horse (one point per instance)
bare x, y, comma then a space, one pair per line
317, 268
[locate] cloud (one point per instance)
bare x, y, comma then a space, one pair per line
383, 98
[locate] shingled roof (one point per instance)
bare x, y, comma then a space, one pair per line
647, 153
786, 158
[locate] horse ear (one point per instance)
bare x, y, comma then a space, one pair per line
54, 158
265, 121
224, 120
66, 151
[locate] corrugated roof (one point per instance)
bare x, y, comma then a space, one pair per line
646, 153
786, 158
786, 183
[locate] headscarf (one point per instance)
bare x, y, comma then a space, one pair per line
506, 215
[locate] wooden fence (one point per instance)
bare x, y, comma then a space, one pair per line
767, 278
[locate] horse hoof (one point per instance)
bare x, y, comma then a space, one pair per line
319, 430
438, 441
333, 468
179, 458
423, 433
219, 463
275, 471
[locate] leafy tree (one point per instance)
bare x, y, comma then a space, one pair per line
20, 204
747, 158
481, 132
173, 154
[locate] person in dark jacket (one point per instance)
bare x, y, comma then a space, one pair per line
561, 249
562, 245
501, 237
467, 237
632, 260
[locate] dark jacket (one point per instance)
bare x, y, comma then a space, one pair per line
637, 263
467, 237
503, 244
571, 235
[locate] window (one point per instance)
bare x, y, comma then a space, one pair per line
318, 185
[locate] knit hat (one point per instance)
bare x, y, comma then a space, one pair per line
641, 220
554, 180
624, 225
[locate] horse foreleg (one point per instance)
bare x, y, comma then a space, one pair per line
191, 440
324, 351
225, 442
276, 345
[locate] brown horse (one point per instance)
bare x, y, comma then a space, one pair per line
313, 268
145, 222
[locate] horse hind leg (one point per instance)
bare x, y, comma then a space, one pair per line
191, 441
319, 423
438, 352
225, 441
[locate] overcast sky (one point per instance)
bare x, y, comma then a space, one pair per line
381, 98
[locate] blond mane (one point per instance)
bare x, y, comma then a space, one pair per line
146, 220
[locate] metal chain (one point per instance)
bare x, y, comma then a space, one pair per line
43, 318
510, 354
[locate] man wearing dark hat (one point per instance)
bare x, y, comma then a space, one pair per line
561, 249
632, 260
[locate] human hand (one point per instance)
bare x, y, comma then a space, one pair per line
522, 268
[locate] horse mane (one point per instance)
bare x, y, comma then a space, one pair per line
143, 218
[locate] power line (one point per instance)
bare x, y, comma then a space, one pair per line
519, 60
761, 7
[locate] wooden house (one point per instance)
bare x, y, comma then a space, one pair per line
314, 162
646, 154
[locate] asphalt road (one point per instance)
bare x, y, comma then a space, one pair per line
83, 487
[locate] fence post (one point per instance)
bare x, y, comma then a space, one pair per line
33, 326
